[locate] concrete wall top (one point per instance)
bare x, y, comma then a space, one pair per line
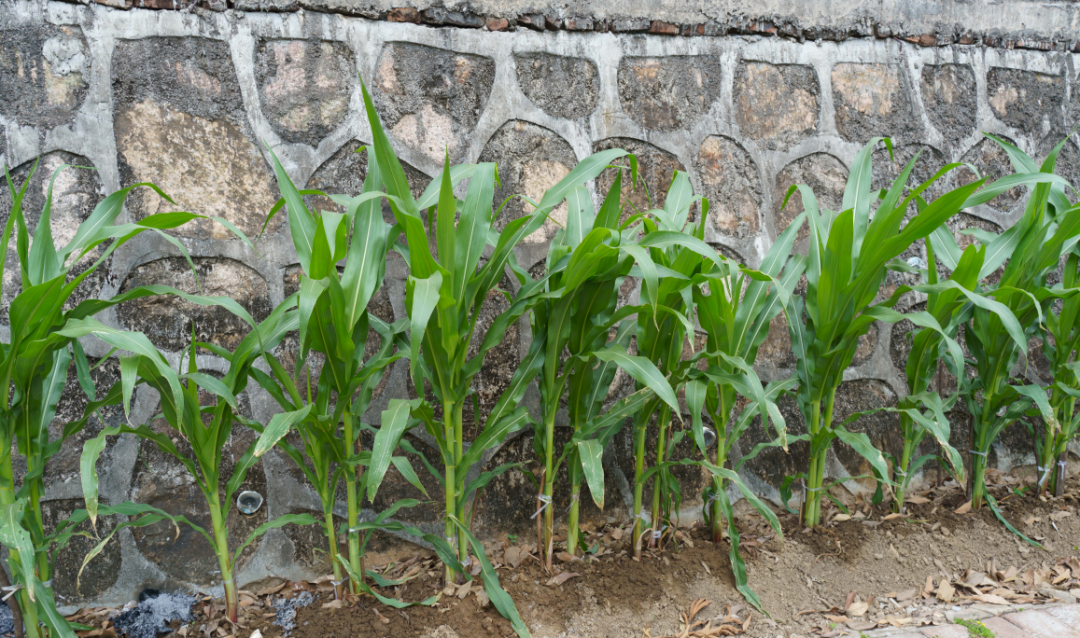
996, 23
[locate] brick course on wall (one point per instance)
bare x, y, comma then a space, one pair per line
190, 99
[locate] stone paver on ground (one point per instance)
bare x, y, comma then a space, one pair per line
1047, 621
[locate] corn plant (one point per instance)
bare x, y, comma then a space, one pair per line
923, 410
334, 321
734, 309
846, 265
673, 246
34, 360
1060, 341
587, 262
1014, 307
206, 429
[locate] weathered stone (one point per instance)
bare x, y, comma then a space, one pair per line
668, 93
948, 92
823, 173
772, 464
304, 86
872, 100
344, 174
180, 123
1026, 100
992, 162
43, 74
867, 346
394, 486
431, 99
100, 573
561, 86
499, 363
310, 543
730, 180
167, 319
75, 194
64, 466
1068, 159
776, 349
656, 167
776, 104
882, 427
160, 480
531, 159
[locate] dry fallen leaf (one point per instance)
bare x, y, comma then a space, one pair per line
917, 500
334, 604
464, 590
963, 509
891, 517
857, 608
561, 578
840, 518
945, 591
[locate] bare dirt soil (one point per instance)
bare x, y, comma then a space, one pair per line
864, 569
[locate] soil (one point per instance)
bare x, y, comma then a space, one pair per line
805, 580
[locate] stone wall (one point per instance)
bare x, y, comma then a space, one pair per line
186, 99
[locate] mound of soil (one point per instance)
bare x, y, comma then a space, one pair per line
862, 568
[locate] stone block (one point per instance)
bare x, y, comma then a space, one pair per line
883, 428
304, 87
948, 92
992, 162
656, 167
668, 93
100, 573
1067, 614
776, 104
75, 193
531, 159
1026, 100
431, 99
823, 173
945, 631
44, 74
160, 480
561, 86
180, 123
731, 182
167, 320
344, 174
872, 100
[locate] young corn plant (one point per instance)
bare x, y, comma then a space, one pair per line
334, 321
734, 307
1060, 341
674, 247
445, 294
922, 412
206, 429
587, 262
846, 265
34, 360
1013, 308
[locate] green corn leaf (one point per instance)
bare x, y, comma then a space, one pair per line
15, 537
738, 565
861, 444
502, 601
423, 297
279, 426
643, 371
395, 422
591, 454
493, 434
274, 523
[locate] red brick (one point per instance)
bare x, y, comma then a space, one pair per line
660, 27
404, 14
497, 24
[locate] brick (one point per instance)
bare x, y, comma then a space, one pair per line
1068, 614
1003, 628
660, 27
945, 631
1041, 625
497, 24
404, 14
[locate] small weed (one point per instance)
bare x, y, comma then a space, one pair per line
975, 628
